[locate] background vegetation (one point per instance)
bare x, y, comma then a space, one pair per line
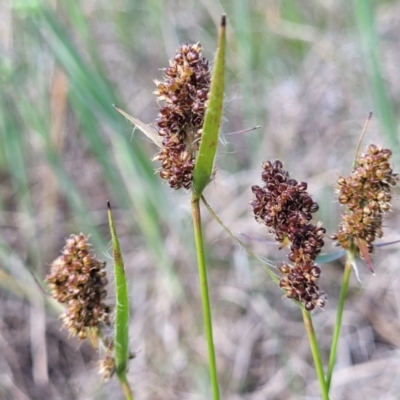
308, 72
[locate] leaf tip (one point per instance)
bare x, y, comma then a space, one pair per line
223, 21
108, 205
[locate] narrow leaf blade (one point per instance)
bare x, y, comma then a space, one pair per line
147, 129
121, 335
329, 257
212, 120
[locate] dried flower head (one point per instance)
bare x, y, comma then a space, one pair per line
107, 366
78, 279
286, 208
299, 283
183, 93
366, 195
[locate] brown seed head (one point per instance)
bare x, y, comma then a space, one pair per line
286, 208
183, 92
299, 283
78, 279
366, 195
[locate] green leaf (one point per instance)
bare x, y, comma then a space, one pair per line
365, 14
212, 120
121, 326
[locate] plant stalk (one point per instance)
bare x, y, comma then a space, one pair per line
125, 387
339, 315
315, 352
204, 294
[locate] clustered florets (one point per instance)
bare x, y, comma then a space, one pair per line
300, 283
184, 93
284, 205
107, 366
79, 280
366, 194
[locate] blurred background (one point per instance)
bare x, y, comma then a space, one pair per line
308, 72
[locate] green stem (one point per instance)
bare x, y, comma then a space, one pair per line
315, 352
339, 315
204, 294
125, 387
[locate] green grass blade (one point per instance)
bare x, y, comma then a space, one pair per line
121, 334
212, 121
91, 97
364, 15
15, 148
121, 324
67, 186
241, 15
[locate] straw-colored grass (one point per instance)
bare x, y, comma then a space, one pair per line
308, 73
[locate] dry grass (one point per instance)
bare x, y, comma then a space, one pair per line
307, 85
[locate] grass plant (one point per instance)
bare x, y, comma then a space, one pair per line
307, 75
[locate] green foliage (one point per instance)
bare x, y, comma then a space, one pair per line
365, 14
121, 324
212, 120
110, 54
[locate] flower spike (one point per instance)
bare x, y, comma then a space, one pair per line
366, 193
184, 94
78, 279
286, 208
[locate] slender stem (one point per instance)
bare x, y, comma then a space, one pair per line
345, 282
339, 315
204, 295
125, 387
248, 251
315, 352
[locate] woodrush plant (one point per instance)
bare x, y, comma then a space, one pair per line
284, 206
78, 280
186, 132
187, 136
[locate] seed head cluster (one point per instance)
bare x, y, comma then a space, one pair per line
286, 208
78, 279
366, 194
183, 93
300, 283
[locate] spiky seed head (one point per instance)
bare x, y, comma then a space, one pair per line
183, 94
366, 193
78, 279
285, 207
